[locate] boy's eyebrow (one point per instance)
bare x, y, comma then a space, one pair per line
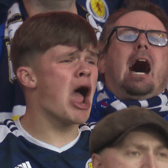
68, 54
93, 53
73, 53
162, 147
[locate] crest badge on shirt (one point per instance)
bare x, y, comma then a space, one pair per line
98, 9
89, 164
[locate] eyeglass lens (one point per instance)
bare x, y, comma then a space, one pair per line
130, 35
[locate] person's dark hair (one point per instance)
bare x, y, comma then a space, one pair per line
132, 5
43, 31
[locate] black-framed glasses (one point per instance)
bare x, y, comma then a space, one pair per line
130, 34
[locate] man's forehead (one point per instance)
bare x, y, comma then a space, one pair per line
141, 20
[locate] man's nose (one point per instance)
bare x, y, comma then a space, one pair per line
83, 70
142, 42
149, 161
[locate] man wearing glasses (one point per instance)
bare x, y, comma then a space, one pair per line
134, 61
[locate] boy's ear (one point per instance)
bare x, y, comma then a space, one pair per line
96, 161
26, 77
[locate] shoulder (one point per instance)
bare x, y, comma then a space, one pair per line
6, 2
4, 6
4, 131
8, 127
85, 14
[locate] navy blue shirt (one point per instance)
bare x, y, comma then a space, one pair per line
18, 149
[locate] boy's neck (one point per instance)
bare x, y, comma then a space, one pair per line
56, 134
40, 6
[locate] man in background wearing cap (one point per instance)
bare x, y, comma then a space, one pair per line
131, 138
133, 61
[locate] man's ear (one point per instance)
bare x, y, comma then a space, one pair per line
26, 77
96, 161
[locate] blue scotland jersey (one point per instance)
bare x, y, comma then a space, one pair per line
18, 149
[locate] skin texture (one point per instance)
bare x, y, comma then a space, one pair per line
40, 6
139, 149
114, 65
50, 91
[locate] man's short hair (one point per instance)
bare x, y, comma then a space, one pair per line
41, 32
112, 129
132, 5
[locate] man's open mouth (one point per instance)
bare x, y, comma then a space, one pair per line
140, 66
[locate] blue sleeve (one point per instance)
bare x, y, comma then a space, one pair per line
3, 17
2, 27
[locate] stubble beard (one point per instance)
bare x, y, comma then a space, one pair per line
134, 90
